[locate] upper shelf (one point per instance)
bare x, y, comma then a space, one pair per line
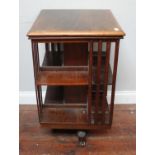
76, 23
65, 78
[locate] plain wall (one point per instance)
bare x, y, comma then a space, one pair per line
124, 12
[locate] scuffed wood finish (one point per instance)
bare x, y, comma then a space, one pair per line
120, 140
76, 23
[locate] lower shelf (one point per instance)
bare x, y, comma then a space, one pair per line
68, 117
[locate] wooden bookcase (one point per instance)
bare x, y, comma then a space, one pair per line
75, 68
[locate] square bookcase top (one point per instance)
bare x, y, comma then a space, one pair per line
76, 23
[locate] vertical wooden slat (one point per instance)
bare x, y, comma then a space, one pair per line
52, 47
98, 81
47, 47
35, 56
47, 55
38, 101
39, 89
59, 55
58, 47
105, 83
90, 82
114, 80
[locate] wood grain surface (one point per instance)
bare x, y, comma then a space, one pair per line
76, 23
119, 140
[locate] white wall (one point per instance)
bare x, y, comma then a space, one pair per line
123, 10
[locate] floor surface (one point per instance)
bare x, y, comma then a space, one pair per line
119, 140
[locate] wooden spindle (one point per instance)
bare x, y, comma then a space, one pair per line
52, 47
58, 47
90, 82
105, 83
98, 81
47, 48
37, 57
39, 89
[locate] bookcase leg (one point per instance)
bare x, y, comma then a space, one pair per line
36, 65
82, 138
114, 80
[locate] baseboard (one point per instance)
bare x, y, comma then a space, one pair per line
121, 97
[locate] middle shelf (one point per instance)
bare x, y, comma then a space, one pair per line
64, 78
58, 68
67, 76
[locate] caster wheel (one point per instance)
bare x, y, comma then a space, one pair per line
82, 138
82, 143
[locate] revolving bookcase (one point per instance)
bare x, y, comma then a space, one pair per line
75, 67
